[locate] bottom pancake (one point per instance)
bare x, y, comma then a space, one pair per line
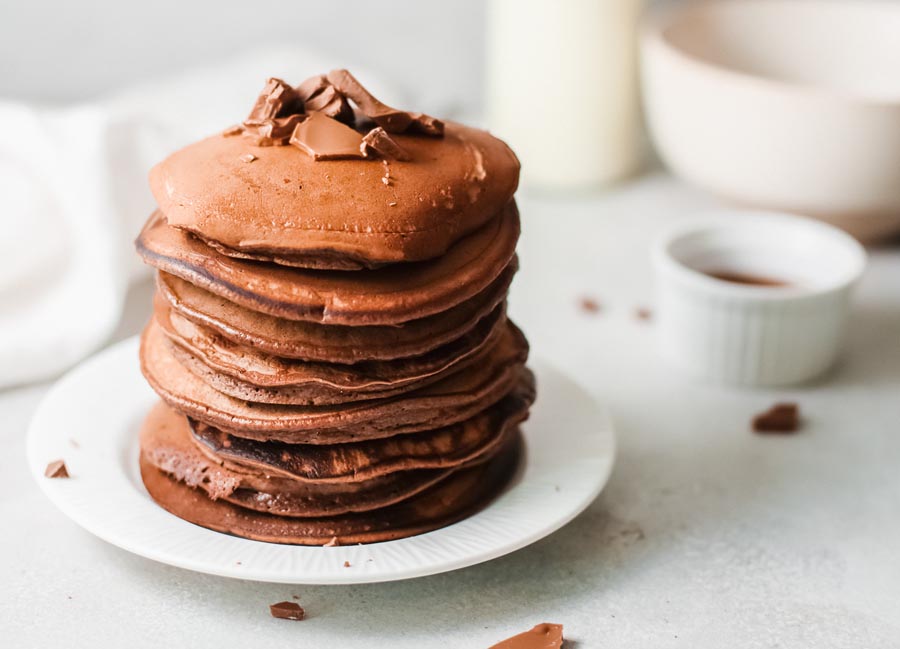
460, 495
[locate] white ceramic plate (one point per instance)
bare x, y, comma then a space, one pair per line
91, 417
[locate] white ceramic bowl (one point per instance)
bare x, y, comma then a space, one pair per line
739, 334
784, 104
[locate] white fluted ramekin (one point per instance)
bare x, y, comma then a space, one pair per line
738, 334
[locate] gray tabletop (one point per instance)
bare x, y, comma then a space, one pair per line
707, 535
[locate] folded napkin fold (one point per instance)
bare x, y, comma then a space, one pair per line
73, 195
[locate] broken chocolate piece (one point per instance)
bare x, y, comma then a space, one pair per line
287, 611
312, 87
384, 145
590, 305
643, 313
277, 99
542, 636
780, 418
56, 469
237, 129
390, 119
332, 103
248, 157
426, 125
325, 138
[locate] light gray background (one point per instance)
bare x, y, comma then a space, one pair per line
64, 50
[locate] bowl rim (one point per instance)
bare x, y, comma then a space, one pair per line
656, 20
666, 264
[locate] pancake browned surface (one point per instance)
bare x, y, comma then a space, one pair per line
384, 296
246, 374
336, 343
441, 448
167, 444
330, 337
341, 210
456, 496
450, 400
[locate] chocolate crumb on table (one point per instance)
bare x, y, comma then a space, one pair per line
780, 418
346, 564
643, 313
590, 305
287, 611
542, 636
56, 469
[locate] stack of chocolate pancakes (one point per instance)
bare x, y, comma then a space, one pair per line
330, 339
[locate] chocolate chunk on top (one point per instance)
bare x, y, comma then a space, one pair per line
780, 418
287, 611
56, 469
384, 145
277, 99
390, 119
325, 138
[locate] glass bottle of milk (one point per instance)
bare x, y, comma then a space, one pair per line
562, 88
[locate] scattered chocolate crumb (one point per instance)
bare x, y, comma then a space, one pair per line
643, 313
56, 469
231, 131
237, 563
346, 564
392, 203
287, 611
74, 443
295, 596
248, 157
590, 305
780, 418
546, 636
386, 180
332, 542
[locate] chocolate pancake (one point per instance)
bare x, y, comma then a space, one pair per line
389, 295
286, 206
334, 343
442, 448
245, 374
460, 495
167, 444
448, 401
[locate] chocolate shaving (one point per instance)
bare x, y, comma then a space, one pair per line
283, 115
390, 119
325, 138
56, 469
277, 99
287, 611
542, 636
380, 142
332, 103
312, 87
780, 418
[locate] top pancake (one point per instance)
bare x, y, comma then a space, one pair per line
389, 295
286, 206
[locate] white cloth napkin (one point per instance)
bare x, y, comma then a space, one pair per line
73, 195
